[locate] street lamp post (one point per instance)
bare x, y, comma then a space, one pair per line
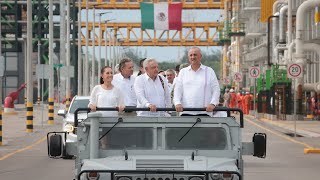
93, 60
106, 44
100, 39
111, 53
85, 65
79, 51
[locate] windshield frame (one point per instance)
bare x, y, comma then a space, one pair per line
72, 109
159, 133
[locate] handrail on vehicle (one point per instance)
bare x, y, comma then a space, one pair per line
159, 171
228, 110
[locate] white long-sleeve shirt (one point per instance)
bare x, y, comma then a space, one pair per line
103, 98
196, 89
150, 91
126, 87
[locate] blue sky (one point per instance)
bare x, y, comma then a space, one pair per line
160, 53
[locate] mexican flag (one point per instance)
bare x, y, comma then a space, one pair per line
161, 16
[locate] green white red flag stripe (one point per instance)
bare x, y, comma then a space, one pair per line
161, 16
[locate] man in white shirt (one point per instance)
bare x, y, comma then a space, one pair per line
125, 81
170, 75
152, 90
196, 86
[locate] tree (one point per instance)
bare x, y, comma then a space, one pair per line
211, 59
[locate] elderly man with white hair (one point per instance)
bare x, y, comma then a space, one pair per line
152, 90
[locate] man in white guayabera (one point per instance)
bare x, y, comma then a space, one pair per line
152, 90
196, 87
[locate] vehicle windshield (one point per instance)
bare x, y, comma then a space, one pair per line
212, 138
127, 138
78, 103
141, 138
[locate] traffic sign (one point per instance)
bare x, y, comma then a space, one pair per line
237, 77
295, 70
43, 71
58, 65
254, 72
67, 72
226, 80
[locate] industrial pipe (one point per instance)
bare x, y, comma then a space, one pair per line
301, 14
275, 5
300, 58
289, 23
312, 87
268, 38
282, 35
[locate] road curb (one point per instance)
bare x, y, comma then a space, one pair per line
286, 127
311, 151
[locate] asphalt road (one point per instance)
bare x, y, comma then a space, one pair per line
285, 160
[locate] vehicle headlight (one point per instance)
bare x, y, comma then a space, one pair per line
93, 176
68, 128
216, 176
224, 176
196, 178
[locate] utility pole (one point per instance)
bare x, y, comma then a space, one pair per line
29, 115
106, 44
51, 80
79, 51
110, 54
93, 60
85, 65
68, 94
0, 82
100, 39
62, 81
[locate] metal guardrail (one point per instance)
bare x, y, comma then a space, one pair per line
228, 110
173, 172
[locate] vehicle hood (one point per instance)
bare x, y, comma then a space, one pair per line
200, 163
70, 117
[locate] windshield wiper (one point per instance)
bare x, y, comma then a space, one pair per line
119, 120
198, 120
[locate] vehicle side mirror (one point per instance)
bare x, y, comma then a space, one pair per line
260, 145
55, 145
62, 112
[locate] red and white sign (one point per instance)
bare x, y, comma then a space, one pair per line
226, 80
254, 72
237, 77
294, 70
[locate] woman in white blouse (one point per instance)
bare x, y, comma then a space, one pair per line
106, 95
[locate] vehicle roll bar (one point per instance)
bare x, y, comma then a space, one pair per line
228, 110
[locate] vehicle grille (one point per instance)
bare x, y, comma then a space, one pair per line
158, 177
164, 164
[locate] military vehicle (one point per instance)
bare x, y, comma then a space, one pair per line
158, 148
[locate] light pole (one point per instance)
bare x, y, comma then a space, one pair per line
51, 80
110, 54
105, 43
100, 39
68, 94
62, 83
79, 51
93, 60
85, 65
29, 117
